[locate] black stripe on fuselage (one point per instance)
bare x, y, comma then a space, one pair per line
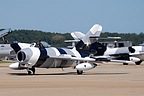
43, 57
15, 47
61, 51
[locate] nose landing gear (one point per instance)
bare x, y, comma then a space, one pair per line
31, 71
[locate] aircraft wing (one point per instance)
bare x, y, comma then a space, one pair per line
121, 61
137, 53
69, 57
122, 57
4, 32
118, 58
90, 59
127, 54
98, 59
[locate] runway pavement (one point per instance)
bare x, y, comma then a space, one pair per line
107, 79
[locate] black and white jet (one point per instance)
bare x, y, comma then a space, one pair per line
51, 57
125, 55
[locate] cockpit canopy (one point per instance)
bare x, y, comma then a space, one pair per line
41, 44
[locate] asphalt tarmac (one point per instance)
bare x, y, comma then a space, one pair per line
108, 79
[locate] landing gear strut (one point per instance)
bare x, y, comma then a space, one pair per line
31, 71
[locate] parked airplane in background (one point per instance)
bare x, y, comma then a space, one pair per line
7, 50
4, 32
123, 55
51, 57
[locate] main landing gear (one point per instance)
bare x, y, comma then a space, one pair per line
125, 63
31, 71
79, 72
137, 63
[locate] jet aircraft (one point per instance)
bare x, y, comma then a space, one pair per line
6, 50
4, 32
51, 57
123, 55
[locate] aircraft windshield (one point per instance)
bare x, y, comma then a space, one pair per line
41, 44
45, 44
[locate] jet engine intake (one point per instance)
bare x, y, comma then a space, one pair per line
28, 55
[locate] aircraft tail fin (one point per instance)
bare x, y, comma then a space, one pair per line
86, 39
88, 44
92, 34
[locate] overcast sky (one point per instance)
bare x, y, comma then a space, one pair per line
123, 16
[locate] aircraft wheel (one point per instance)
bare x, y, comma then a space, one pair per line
125, 63
31, 71
138, 63
79, 72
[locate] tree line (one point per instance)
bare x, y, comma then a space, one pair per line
57, 39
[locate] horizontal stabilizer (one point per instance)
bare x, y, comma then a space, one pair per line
71, 41
77, 35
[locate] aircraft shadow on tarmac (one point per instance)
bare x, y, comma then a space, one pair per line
69, 73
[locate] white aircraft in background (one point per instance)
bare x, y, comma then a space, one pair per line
123, 55
52, 57
4, 32
6, 50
